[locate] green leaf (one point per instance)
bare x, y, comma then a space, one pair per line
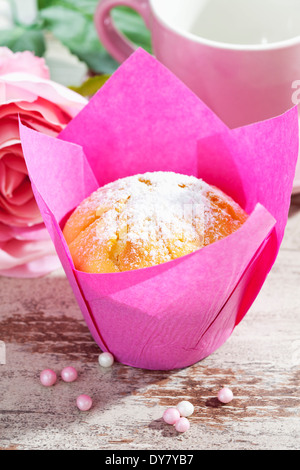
85, 7
132, 25
99, 61
76, 31
91, 86
23, 39
72, 22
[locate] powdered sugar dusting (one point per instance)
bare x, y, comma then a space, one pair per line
154, 217
153, 207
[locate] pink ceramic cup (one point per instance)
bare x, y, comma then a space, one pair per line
241, 57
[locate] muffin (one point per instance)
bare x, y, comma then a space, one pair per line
145, 220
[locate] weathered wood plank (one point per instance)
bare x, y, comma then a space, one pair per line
42, 326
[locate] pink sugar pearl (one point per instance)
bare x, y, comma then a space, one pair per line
84, 403
182, 425
225, 395
69, 374
48, 377
171, 416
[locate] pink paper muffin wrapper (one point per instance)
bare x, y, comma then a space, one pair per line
144, 119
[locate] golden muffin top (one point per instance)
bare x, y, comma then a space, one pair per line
148, 219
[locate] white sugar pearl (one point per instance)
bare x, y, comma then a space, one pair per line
106, 359
185, 408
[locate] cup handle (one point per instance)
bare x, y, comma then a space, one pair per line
113, 40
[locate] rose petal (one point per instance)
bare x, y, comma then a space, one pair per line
10, 93
20, 216
34, 269
26, 93
33, 86
22, 62
6, 233
8, 110
25, 251
32, 120
36, 257
37, 232
15, 149
42, 127
23, 194
13, 161
48, 111
39, 267
10, 180
9, 132
54, 118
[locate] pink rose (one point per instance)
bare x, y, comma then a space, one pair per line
26, 91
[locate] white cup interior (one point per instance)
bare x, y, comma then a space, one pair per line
237, 22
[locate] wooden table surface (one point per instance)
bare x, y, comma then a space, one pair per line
42, 327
